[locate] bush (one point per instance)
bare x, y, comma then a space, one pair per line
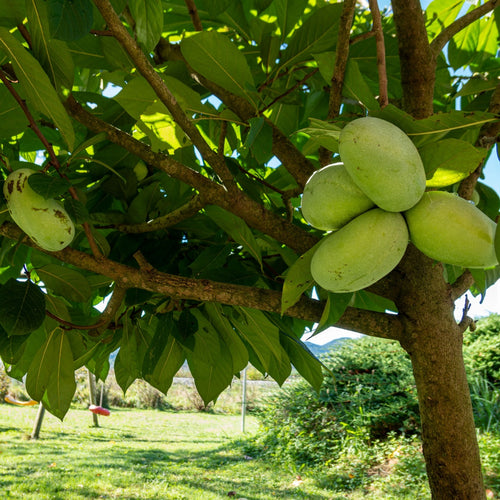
369, 395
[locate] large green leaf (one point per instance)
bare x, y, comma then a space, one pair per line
148, 17
261, 334
70, 20
210, 360
449, 161
22, 307
65, 282
51, 373
230, 338
303, 360
237, 228
336, 304
48, 186
11, 13
298, 279
215, 57
36, 84
12, 118
53, 55
164, 357
317, 34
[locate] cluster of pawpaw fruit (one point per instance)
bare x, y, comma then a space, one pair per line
375, 202
45, 221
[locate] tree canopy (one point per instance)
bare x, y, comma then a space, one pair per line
180, 138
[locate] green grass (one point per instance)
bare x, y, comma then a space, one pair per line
148, 454
137, 454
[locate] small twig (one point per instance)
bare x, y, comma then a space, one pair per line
101, 32
337, 82
379, 40
25, 33
53, 157
362, 36
222, 138
72, 326
290, 90
192, 207
466, 321
110, 310
144, 265
193, 12
458, 25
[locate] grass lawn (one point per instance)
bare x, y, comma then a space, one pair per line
138, 454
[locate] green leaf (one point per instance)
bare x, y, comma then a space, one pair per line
144, 203
61, 385
210, 361
298, 279
70, 20
215, 57
237, 228
22, 307
317, 34
48, 186
164, 357
356, 87
12, 118
230, 338
36, 84
323, 133
65, 282
336, 304
449, 161
11, 348
51, 373
148, 17
129, 360
303, 360
260, 333
11, 13
53, 55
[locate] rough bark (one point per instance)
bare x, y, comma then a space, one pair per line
426, 304
433, 340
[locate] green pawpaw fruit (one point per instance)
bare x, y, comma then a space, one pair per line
360, 253
383, 162
452, 230
45, 221
331, 198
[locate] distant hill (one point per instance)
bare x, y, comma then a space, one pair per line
318, 350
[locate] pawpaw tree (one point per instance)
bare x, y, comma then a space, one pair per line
179, 135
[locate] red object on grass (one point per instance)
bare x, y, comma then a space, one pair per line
99, 410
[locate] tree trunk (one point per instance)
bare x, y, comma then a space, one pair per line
433, 340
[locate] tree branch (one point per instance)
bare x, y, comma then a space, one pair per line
342, 55
202, 290
193, 12
417, 61
292, 159
379, 40
162, 91
192, 207
252, 212
461, 23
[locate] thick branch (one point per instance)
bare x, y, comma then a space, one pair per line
461, 23
416, 58
253, 213
166, 97
179, 287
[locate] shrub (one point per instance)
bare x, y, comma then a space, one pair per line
369, 394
